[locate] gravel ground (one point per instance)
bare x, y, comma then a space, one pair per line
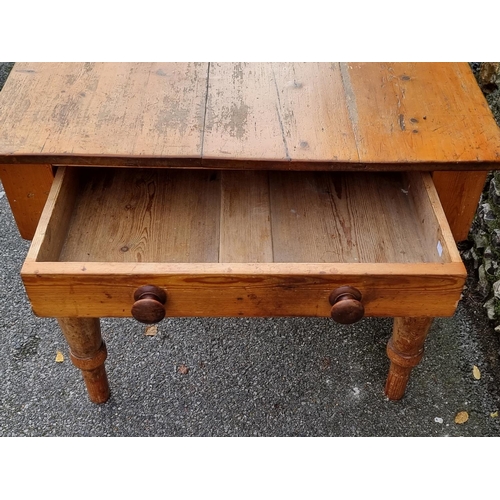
247, 377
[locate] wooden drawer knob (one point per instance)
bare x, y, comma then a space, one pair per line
149, 305
346, 305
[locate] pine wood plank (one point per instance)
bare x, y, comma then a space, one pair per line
245, 227
459, 193
27, 188
52, 229
145, 215
310, 222
383, 220
314, 112
93, 289
410, 116
273, 111
415, 113
77, 110
433, 228
333, 217
148, 215
243, 114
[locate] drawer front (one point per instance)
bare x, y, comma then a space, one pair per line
242, 290
242, 244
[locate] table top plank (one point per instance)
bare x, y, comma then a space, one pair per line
420, 112
87, 109
302, 116
314, 112
278, 112
242, 116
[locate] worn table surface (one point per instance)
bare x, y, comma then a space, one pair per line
377, 116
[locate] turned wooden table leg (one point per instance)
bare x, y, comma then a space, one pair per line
88, 352
405, 350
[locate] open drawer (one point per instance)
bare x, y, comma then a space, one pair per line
242, 243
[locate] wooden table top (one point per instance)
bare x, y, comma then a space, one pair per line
373, 116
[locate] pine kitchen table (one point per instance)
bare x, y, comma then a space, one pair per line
235, 189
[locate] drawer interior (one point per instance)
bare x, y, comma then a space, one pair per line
200, 216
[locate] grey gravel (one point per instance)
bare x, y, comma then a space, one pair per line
247, 377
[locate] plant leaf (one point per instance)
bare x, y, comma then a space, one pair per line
461, 417
151, 331
183, 369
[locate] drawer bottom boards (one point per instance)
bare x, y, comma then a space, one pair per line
242, 243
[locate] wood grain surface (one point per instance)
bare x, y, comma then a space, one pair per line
179, 215
27, 188
245, 219
405, 350
144, 215
313, 232
420, 113
459, 193
97, 289
76, 110
326, 116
